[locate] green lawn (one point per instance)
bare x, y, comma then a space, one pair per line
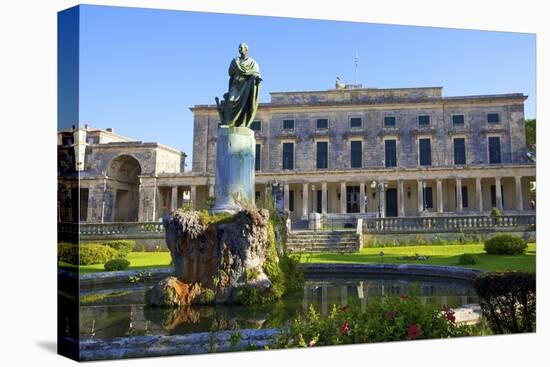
438, 255
138, 261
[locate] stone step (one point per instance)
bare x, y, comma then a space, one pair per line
326, 249
304, 240
335, 243
320, 237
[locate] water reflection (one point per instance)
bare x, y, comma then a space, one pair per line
124, 315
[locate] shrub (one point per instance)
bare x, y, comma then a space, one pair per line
96, 254
88, 253
390, 319
468, 259
68, 253
496, 215
505, 244
508, 301
116, 264
124, 247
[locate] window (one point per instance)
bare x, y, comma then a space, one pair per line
494, 149
458, 119
355, 122
256, 125
291, 200
423, 120
425, 151
494, 195
258, 158
428, 198
464, 196
288, 124
390, 152
356, 154
322, 123
288, 155
493, 118
66, 140
459, 150
319, 201
322, 154
389, 121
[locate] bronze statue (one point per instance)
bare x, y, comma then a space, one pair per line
241, 101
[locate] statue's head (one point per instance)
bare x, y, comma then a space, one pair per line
243, 49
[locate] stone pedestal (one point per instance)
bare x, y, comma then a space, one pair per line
235, 157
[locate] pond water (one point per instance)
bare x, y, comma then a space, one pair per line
117, 312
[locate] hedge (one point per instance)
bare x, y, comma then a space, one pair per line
116, 264
468, 259
505, 244
124, 247
89, 254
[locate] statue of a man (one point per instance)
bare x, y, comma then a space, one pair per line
241, 101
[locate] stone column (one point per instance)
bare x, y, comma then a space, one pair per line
344, 295
286, 195
324, 198
519, 194
193, 197
420, 197
174, 201
343, 197
382, 199
324, 300
314, 199
305, 200
401, 197
479, 195
362, 197
498, 193
267, 194
458, 195
439, 188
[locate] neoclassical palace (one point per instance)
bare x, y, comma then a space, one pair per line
349, 151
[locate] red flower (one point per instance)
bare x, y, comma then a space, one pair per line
413, 331
390, 315
450, 314
344, 329
403, 296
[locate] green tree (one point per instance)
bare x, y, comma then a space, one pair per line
531, 134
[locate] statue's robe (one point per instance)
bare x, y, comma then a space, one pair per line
241, 102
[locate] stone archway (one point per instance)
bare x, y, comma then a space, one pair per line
124, 171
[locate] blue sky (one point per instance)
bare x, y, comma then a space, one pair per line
141, 69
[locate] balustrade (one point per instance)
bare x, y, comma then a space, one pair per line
447, 224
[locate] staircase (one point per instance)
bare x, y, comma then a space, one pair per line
327, 241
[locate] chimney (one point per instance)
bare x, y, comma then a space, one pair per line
109, 129
86, 126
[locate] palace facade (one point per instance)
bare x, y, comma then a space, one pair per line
350, 151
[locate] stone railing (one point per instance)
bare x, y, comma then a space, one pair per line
121, 230
449, 224
133, 230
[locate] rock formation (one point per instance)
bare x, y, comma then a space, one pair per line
214, 257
